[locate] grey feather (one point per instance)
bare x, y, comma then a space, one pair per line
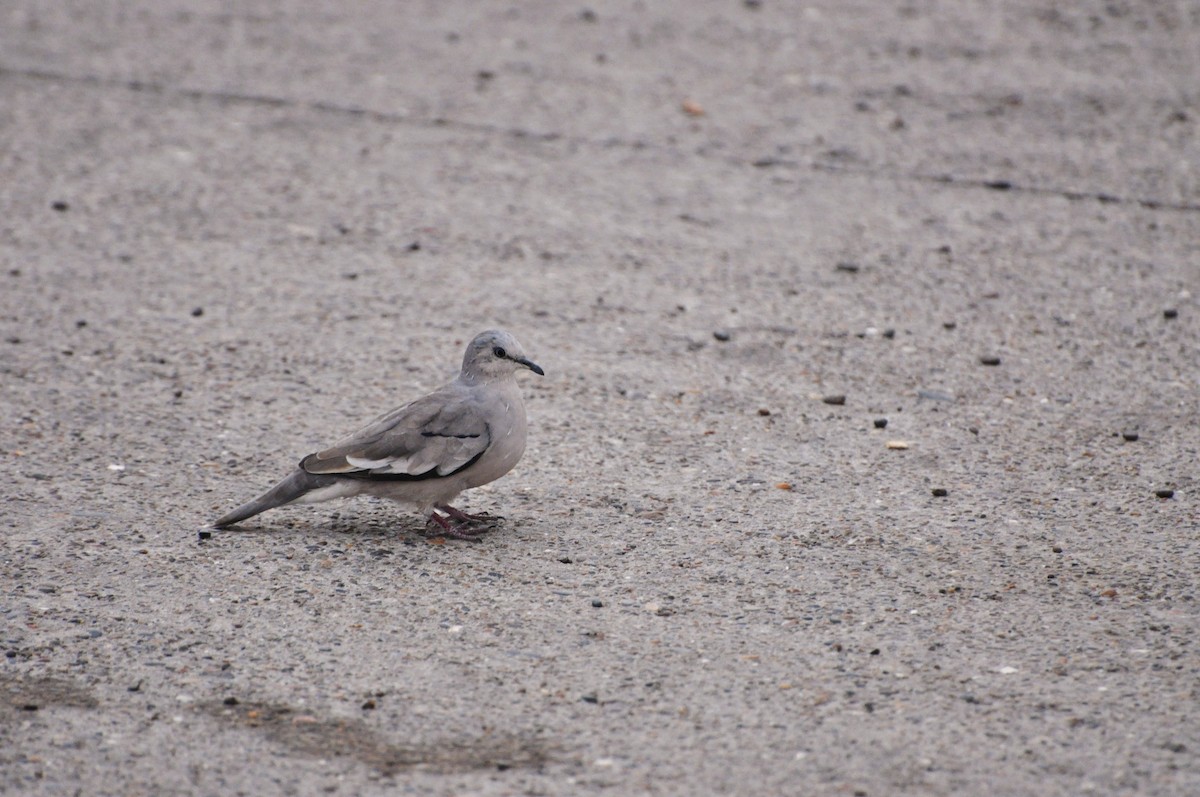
296, 485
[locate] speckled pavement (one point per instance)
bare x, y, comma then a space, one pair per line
739, 237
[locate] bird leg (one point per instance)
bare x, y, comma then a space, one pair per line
458, 514
451, 530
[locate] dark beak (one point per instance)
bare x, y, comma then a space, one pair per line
530, 364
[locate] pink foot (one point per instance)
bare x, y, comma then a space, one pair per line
448, 529
460, 515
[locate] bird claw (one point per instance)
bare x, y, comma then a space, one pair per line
458, 531
458, 514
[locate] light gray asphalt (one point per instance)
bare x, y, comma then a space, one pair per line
229, 234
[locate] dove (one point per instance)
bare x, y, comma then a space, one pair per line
464, 434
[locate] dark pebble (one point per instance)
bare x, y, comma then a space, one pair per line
10, 654
135, 688
1056, 549
588, 15
415, 246
989, 359
940, 492
80, 324
29, 707
1130, 436
597, 604
590, 699
835, 400
368, 705
1165, 493
949, 324
1170, 313
722, 335
566, 560
875, 651
60, 206
880, 423
849, 268
230, 701
197, 312
763, 411
998, 185
204, 534
889, 333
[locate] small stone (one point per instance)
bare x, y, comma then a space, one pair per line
940, 492
566, 560
597, 603
204, 534
590, 699
197, 312
949, 324
880, 423
29, 707
889, 333
723, 335
1165, 493
989, 359
897, 445
1130, 436
1170, 313
849, 268
230, 701
836, 400
763, 411
368, 705
60, 206
692, 108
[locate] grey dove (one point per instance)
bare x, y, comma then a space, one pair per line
462, 435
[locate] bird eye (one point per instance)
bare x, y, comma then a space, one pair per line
500, 352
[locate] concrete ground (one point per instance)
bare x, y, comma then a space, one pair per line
231, 233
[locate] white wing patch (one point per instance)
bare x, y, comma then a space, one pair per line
372, 464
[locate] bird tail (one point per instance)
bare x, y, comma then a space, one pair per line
295, 486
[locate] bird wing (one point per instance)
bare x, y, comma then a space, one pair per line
432, 437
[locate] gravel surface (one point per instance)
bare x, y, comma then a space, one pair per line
865, 463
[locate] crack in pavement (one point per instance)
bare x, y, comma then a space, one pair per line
323, 106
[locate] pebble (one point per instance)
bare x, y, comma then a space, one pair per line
837, 399
849, 268
897, 445
230, 701
204, 534
197, 312
940, 492
60, 206
949, 324
1170, 313
889, 333
763, 411
597, 603
1165, 493
880, 423
722, 335
989, 359
1130, 436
